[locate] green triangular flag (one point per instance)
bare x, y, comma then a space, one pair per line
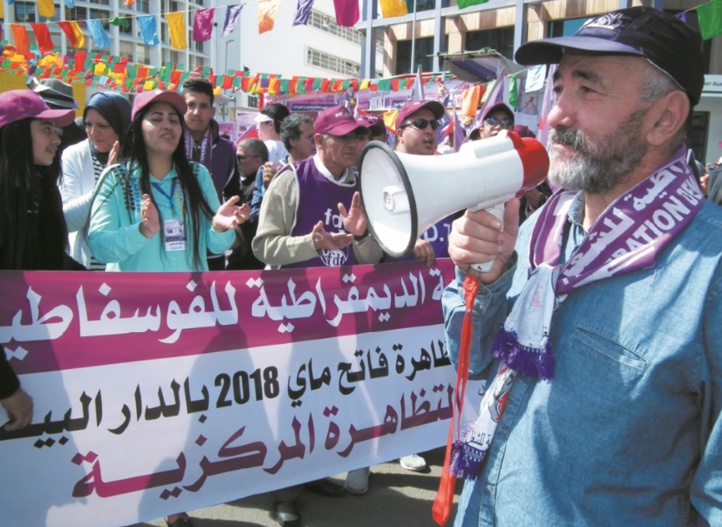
709, 16
513, 93
467, 3
119, 21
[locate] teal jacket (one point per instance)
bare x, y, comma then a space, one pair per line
114, 231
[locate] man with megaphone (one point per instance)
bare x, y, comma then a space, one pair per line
598, 325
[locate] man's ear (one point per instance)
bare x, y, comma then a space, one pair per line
668, 115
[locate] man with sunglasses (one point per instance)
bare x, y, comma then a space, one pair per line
497, 118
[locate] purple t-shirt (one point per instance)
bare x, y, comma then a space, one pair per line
318, 199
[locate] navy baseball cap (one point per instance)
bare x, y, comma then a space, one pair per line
660, 37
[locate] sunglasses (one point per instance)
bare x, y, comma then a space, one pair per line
421, 124
505, 122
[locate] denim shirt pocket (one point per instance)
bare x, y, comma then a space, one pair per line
610, 350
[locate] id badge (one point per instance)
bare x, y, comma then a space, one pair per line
175, 235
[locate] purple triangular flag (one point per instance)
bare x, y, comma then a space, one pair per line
303, 11
233, 13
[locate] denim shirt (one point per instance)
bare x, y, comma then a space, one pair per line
628, 432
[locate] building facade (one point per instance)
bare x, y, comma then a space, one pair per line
438, 26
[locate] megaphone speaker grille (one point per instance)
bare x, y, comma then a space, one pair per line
388, 199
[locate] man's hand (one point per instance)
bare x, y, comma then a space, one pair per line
477, 237
228, 216
423, 250
19, 407
149, 218
327, 240
269, 171
354, 220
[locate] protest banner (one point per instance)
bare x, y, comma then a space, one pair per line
160, 392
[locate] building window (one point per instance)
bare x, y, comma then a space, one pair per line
331, 63
423, 55
126, 49
143, 6
501, 40
98, 14
24, 12
76, 13
129, 30
328, 24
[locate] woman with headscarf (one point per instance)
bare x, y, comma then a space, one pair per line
107, 119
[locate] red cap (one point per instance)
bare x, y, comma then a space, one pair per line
146, 98
338, 121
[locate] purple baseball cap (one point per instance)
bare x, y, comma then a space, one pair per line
146, 98
414, 106
338, 121
661, 38
27, 104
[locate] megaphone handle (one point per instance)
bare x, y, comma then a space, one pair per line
498, 211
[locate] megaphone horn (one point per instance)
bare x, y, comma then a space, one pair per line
404, 194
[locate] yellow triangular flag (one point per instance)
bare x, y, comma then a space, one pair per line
177, 29
46, 9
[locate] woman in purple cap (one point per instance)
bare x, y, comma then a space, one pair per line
33, 234
155, 210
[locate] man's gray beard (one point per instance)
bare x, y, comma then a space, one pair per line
597, 168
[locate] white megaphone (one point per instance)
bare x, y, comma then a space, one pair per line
403, 195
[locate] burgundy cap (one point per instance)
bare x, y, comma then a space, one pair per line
414, 106
500, 106
338, 121
145, 98
26, 104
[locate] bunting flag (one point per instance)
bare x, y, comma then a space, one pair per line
392, 8
347, 12
470, 99
42, 35
417, 92
119, 21
233, 13
267, 11
177, 29
72, 30
513, 92
100, 37
20, 36
203, 24
2, 15
390, 120
148, 30
70, 4
303, 12
546, 106
46, 8
128, 3
535, 78
468, 3
710, 19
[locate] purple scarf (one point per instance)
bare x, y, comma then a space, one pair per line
627, 236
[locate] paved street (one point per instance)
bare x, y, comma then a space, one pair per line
396, 497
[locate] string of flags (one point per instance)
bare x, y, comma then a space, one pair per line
119, 74
110, 72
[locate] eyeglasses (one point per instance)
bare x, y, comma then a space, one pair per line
421, 124
505, 122
358, 135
